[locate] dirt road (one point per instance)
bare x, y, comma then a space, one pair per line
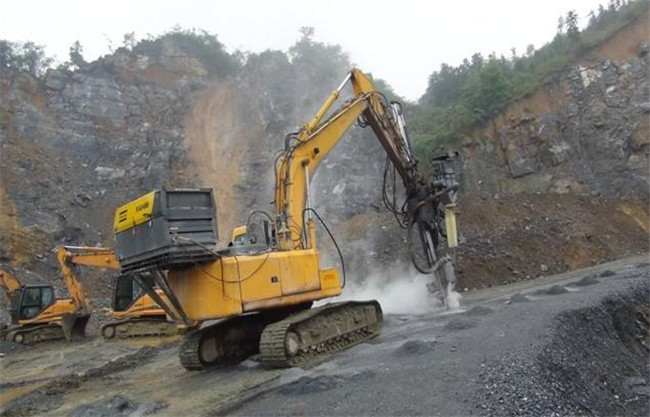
572, 343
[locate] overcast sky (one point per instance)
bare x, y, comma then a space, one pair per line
400, 41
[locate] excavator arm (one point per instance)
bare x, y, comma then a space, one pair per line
74, 324
71, 256
427, 202
10, 283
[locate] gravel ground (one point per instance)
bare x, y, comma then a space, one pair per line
577, 346
570, 349
595, 364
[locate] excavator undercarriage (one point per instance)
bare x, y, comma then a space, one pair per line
309, 336
32, 334
299, 336
139, 327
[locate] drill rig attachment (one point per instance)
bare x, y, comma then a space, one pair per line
430, 213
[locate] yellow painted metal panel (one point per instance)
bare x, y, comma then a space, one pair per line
259, 276
299, 271
208, 291
290, 300
53, 312
134, 213
234, 284
330, 279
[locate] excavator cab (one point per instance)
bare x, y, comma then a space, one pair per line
33, 299
238, 236
254, 238
127, 291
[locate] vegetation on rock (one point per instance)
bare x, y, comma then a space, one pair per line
460, 98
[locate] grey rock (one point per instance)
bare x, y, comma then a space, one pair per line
592, 133
415, 348
518, 298
556, 290
586, 281
116, 406
478, 311
645, 106
456, 324
107, 173
56, 79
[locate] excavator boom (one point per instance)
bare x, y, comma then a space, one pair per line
429, 204
69, 256
9, 282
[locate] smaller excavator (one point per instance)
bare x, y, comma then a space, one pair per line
37, 316
135, 313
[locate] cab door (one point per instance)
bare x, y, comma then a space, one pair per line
128, 294
33, 300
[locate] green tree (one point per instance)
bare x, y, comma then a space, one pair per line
76, 55
460, 97
196, 43
592, 19
486, 91
32, 59
317, 66
129, 41
307, 32
444, 86
7, 55
530, 50
572, 29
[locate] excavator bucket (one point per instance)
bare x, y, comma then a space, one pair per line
74, 326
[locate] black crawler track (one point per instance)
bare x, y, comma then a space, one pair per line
320, 332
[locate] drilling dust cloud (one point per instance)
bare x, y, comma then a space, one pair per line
399, 289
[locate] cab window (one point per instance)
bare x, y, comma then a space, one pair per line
47, 296
123, 293
240, 240
34, 300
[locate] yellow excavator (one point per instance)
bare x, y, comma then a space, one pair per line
37, 316
135, 313
263, 290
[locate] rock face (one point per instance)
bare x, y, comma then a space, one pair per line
77, 144
586, 133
